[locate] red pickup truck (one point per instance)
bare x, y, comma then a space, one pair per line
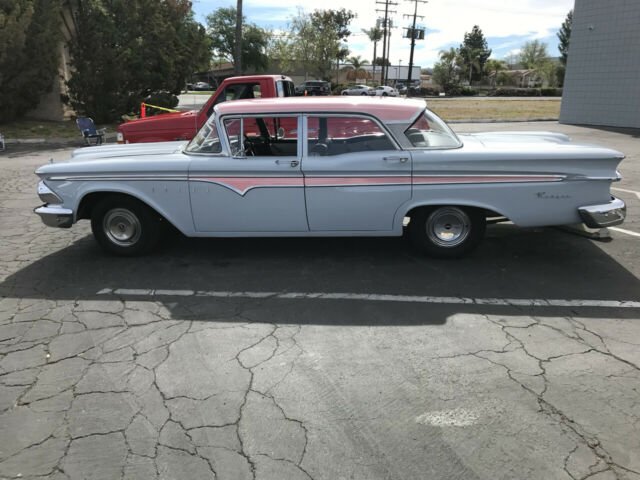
184, 125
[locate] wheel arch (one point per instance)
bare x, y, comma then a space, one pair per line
409, 210
90, 198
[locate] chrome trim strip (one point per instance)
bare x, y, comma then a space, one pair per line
120, 177
46, 194
604, 215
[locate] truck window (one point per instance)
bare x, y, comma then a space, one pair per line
285, 88
237, 91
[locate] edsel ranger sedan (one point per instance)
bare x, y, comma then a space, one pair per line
333, 166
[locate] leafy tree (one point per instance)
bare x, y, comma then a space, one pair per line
534, 56
128, 50
29, 53
445, 71
375, 35
314, 41
475, 52
221, 26
564, 34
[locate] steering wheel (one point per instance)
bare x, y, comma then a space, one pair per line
248, 147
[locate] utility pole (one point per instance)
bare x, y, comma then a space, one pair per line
413, 34
237, 64
385, 26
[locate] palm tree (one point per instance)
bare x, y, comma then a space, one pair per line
495, 67
375, 35
356, 65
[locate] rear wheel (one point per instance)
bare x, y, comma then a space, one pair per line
124, 226
447, 231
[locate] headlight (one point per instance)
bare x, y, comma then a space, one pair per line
47, 195
120, 137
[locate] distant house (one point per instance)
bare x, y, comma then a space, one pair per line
525, 78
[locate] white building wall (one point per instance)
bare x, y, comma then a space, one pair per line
602, 81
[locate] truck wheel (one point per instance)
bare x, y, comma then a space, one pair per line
124, 226
447, 231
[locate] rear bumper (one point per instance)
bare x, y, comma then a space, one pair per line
604, 215
55, 216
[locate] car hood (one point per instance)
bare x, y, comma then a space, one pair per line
129, 150
157, 121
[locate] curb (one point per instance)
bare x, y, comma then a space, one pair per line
511, 120
52, 141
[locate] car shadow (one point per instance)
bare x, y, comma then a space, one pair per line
512, 263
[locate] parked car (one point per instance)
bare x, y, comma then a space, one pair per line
313, 87
200, 86
358, 90
331, 167
384, 91
184, 125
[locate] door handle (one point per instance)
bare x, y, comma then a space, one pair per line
294, 163
396, 159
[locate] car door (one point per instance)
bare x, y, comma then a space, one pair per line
256, 186
356, 176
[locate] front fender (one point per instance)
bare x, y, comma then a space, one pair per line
170, 198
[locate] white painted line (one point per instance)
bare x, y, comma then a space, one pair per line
622, 230
373, 297
458, 417
627, 191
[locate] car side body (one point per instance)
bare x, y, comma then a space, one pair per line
338, 166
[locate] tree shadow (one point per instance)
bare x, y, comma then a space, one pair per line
512, 263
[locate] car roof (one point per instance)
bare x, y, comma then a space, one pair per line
384, 108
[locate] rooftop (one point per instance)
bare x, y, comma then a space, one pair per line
387, 109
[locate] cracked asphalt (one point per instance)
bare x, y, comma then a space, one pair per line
235, 387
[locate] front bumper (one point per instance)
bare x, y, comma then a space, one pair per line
604, 215
55, 216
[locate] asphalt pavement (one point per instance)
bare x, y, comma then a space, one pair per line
319, 358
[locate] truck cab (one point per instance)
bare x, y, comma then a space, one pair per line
184, 125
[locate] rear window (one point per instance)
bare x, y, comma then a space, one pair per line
285, 88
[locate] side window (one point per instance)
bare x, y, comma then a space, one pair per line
263, 136
206, 140
327, 136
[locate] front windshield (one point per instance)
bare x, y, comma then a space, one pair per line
430, 131
206, 140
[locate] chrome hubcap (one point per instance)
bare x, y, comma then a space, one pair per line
122, 227
448, 226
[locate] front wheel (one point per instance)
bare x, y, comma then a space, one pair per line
447, 231
124, 226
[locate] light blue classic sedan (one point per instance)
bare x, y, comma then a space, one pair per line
333, 166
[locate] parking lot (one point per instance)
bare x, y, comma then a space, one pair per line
320, 358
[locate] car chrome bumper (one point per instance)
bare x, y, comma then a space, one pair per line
55, 216
604, 215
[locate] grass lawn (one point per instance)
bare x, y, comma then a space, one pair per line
467, 108
44, 129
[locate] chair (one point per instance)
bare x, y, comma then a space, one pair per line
88, 130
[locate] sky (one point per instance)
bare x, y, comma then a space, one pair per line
506, 24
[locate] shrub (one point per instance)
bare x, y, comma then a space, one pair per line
424, 92
161, 99
551, 92
460, 91
337, 89
515, 92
